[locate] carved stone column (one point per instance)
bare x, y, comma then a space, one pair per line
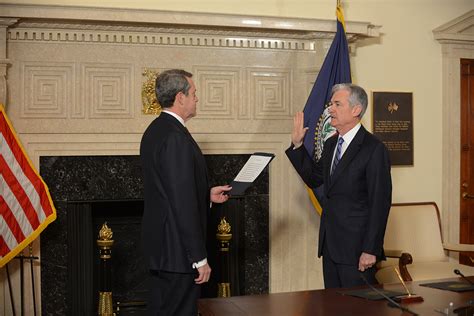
4, 62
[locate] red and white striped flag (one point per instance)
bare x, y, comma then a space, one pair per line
25, 204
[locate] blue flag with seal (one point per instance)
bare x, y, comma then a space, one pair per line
336, 69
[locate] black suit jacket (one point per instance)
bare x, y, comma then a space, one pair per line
356, 198
176, 196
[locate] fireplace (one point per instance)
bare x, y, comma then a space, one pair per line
89, 190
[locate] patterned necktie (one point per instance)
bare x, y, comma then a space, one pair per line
338, 154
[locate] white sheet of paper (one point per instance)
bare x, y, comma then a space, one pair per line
252, 168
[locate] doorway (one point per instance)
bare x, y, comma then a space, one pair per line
467, 159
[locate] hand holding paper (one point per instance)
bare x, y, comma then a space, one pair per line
250, 171
219, 193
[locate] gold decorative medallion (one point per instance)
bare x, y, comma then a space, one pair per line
150, 103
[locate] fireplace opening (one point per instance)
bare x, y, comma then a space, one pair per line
129, 271
91, 190
127, 268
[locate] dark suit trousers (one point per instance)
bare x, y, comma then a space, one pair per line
338, 275
173, 294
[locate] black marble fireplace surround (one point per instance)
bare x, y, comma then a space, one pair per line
89, 190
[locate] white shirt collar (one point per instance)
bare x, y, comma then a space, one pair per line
179, 118
349, 136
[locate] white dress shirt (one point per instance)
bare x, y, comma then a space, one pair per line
348, 137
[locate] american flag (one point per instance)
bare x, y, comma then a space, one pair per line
25, 203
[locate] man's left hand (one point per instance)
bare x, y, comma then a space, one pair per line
217, 193
366, 261
204, 274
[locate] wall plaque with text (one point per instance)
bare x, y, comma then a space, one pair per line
393, 124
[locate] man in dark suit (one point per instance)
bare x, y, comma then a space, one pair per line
357, 195
177, 200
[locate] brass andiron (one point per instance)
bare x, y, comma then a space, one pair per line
105, 243
224, 236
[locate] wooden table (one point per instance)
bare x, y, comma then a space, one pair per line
332, 302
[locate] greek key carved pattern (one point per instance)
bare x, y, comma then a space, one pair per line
270, 91
218, 91
48, 89
107, 90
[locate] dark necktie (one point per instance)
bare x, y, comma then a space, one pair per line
337, 157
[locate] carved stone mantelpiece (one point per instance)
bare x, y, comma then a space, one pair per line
169, 35
138, 27
75, 66
112, 17
75, 83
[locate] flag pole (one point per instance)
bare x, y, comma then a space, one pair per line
12, 302
22, 283
21, 257
335, 69
31, 258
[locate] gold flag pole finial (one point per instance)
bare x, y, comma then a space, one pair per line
340, 14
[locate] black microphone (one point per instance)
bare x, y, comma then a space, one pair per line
391, 302
456, 271
465, 310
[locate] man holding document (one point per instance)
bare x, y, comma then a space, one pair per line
177, 200
355, 170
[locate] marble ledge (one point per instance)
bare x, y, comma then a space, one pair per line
157, 17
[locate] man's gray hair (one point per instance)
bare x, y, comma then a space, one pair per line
357, 95
169, 83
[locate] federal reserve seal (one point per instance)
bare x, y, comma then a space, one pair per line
322, 132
